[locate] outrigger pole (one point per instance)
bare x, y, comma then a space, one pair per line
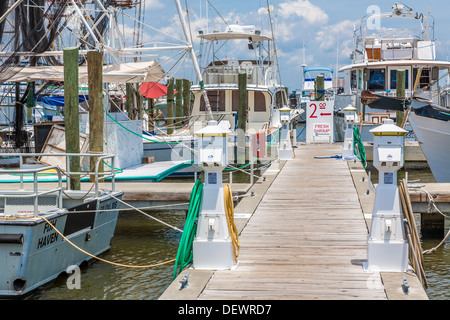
193, 56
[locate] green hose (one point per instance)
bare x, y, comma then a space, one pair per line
358, 147
185, 253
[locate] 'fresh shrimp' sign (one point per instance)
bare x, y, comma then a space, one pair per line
319, 122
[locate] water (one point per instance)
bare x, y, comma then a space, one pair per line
138, 241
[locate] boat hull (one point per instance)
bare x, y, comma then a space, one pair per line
434, 138
33, 253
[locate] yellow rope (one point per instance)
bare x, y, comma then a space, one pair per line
98, 258
229, 210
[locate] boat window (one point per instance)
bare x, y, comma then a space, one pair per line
394, 79
425, 78
353, 81
376, 79
216, 101
260, 102
280, 99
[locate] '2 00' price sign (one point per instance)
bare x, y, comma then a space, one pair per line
319, 122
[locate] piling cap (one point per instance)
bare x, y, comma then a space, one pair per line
349, 108
212, 130
285, 109
388, 128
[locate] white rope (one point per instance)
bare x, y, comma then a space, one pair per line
147, 215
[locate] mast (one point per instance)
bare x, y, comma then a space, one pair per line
193, 56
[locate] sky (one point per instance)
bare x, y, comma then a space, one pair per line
318, 33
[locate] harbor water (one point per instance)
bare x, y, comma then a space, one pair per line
140, 241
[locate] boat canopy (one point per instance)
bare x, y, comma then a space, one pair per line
133, 72
318, 69
236, 32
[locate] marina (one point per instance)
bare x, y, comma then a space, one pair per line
175, 164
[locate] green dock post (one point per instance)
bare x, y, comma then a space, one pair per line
170, 98
242, 118
401, 85
186, 101
179, 103
71, 117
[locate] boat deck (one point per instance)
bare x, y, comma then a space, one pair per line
306, 239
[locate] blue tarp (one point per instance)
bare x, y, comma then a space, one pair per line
58, 100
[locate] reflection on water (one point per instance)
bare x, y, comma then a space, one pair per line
437, 270
138, 241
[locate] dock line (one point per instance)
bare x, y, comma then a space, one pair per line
101, 259
147, 215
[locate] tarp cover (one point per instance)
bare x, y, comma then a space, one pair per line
133, 72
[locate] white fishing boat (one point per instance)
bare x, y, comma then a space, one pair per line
431, 124
45, 231
382, 46
265, 95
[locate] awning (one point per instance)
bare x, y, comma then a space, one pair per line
133, 72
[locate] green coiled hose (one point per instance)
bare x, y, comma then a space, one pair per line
358, 147
185, 253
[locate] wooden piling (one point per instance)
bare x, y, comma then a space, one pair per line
319, 88
130, 101
186, 100
71, 113
95, 83
242, 118
401, 85
179, 103
30, 101
170, 98
151, 124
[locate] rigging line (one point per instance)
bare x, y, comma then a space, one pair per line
274, 41
146, 25
217, 12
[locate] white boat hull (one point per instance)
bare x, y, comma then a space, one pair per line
434, 138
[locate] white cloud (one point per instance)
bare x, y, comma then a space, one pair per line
304, 9
153, 4
328, 36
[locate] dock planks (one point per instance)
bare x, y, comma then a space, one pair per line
306, 239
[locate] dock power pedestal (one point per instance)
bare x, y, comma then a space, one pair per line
212, 246
387, 246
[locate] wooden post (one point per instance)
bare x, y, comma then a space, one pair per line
187, 101
130, 101
170, 96
319, 88
242, 117
179, 103
71, 117
151, 125
30, 101
401, 84
95, 83
139, 103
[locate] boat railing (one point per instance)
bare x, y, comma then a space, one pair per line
229, 74
35, 193
98, 175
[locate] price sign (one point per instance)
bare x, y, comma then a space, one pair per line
319, 122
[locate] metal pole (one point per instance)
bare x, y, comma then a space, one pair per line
193, 56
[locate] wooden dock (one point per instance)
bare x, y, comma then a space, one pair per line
306, 239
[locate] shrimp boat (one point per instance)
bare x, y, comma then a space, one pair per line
379, 52
43, 232
265, 96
